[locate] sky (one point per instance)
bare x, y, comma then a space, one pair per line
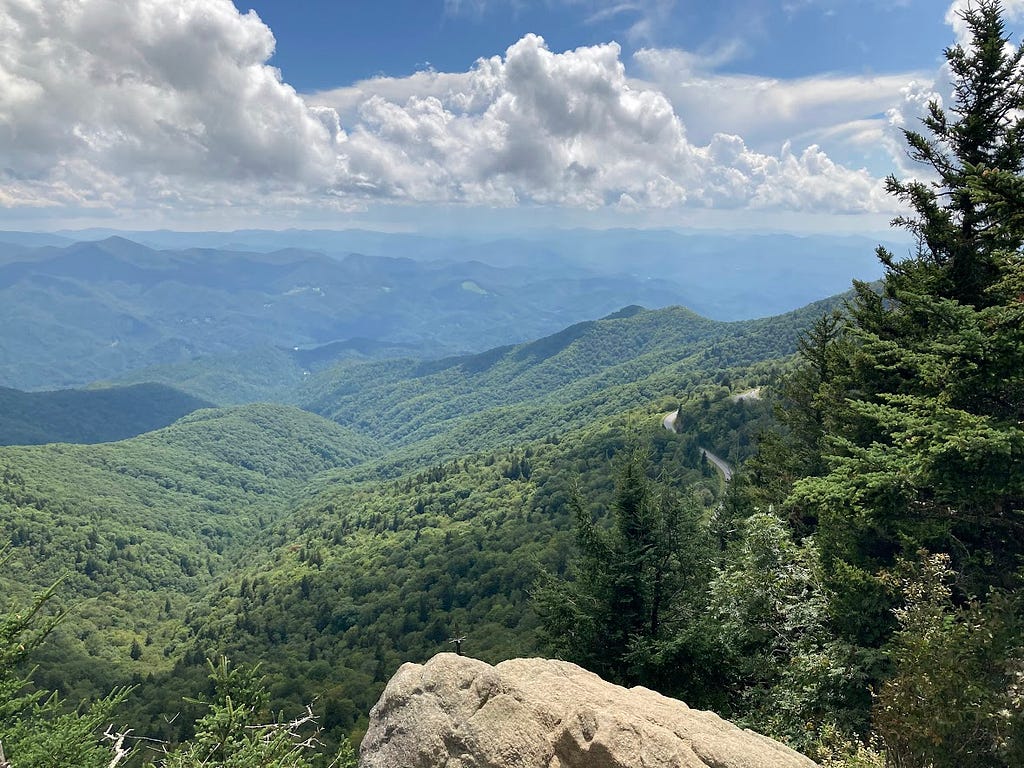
464, 114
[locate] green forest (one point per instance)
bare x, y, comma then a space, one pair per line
233, 585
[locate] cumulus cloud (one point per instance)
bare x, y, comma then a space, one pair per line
569, 129
173, 106
103, 98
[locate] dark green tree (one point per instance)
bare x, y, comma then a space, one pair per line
923, 434
238, 730
925, 443
37, 730
962, 238
796, 448
634, 582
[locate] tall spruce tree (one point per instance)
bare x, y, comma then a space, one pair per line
622, 612
925, 442
923, 433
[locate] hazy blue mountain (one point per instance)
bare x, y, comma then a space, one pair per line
723, 275
331, 241
99, 310
730, 276
34, 239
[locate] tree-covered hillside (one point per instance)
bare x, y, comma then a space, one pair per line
90, 415
424, 411
366, 576
258, 504
136, 528
854, 590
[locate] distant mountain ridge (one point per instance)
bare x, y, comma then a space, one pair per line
733, 275
99, 310
90, 415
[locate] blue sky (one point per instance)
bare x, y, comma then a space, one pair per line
323, 43
494, 114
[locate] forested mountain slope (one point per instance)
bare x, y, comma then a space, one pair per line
439, 409
171, 529
137, 527
365, 576
90, 415
273, 534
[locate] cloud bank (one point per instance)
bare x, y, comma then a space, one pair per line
567, 129
114, 102
110, 105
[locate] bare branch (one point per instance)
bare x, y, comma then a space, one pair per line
118, 747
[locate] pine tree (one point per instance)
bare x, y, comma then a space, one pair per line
959, 234
925, 442
796, 450
633, 581
923, 429
36, 728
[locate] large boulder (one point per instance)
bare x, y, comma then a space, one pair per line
457, 712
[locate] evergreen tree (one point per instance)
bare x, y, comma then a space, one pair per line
238, 731
961, 236
797, 449
36, 729
925, 441
637, 583
923, 431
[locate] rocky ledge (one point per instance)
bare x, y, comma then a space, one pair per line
457, 712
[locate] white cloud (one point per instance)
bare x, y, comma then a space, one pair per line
567, 129
171, 106
766, 111
1013, 10
102, 100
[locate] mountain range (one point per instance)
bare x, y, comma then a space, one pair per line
291, 465
106, 310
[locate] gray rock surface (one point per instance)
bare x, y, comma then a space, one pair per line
457, 712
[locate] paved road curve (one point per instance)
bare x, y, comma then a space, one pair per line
669, 422
720, 463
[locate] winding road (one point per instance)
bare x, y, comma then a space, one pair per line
722, 465
669, 422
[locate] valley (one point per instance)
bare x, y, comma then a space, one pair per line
410, 499
324, 514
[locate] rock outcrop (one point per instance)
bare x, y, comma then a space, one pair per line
457, 712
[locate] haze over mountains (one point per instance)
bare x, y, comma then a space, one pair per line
81, 310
